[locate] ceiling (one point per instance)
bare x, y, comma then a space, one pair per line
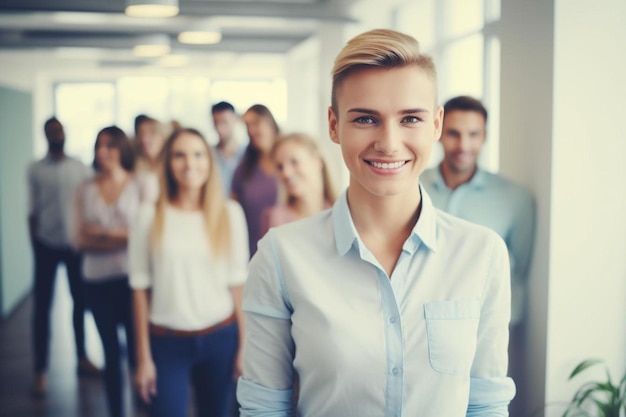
247, 26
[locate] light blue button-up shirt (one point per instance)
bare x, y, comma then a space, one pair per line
227, 167
503, 206
429, 341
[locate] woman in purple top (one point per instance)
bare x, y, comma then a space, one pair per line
304, 178
254, 185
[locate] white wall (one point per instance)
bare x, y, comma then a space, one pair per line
526, 156
561, 102
586, 308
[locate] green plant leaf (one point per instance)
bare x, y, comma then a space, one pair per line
584, 365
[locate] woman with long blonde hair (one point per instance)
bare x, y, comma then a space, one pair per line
188, 266
306, 184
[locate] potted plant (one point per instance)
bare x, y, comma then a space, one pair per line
595, 398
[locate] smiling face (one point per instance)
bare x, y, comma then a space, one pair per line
299, 169
260, 130
224, 122
386, 124
189, 162
108, 156
462, 138
150, 138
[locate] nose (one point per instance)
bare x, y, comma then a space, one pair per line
464, 143
286, 171
388, 140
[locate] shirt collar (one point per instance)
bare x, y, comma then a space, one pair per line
425, 230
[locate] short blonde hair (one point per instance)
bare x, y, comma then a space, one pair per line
379, 48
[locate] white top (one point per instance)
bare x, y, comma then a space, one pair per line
190, 288
51, 185
430, 340
99, 266
148, 186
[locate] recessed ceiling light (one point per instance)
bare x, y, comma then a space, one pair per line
173, 61
200, 37
152, 8
146, 51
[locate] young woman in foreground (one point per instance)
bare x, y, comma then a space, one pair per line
382, 306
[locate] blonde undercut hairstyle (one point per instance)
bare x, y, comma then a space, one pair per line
212, 201
379, 48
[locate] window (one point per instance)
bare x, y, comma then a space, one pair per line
86, 107
462, 37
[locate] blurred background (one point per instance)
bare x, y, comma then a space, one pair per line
550, 72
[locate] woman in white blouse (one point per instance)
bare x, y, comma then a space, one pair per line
106, 206
189, 258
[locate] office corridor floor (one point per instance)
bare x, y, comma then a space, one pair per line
68, 395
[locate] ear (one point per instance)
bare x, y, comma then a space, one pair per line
438, 122
332, 125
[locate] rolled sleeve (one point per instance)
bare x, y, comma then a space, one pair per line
139, 248
490, 389
263, 401
490, 397
265, 388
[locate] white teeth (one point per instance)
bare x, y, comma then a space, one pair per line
384, 165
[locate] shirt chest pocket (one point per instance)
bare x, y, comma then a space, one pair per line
452, 328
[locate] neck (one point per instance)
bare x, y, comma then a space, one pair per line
309, 204
56, 154
116, 174
389, 218
188, 199
266, 163
454, 179
227, 147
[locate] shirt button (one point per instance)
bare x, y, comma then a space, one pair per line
392, 319
395, 371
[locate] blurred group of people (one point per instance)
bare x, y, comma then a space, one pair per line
375, 301
156, 237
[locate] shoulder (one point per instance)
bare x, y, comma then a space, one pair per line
512, 189
311, 231
459, 233
145, 213
234, 208
429, 174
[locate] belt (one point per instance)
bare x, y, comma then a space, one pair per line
165, 331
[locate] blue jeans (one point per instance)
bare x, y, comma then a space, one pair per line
111, 306
207, 361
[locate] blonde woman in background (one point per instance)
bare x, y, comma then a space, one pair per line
305, 180
189, 259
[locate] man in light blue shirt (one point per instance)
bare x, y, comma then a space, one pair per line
382, 305
228, 152
460, 187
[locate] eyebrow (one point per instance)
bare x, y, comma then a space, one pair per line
375, 113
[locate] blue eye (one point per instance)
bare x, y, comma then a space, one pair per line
364, 120
411, 119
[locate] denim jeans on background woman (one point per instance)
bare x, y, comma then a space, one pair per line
207, 361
